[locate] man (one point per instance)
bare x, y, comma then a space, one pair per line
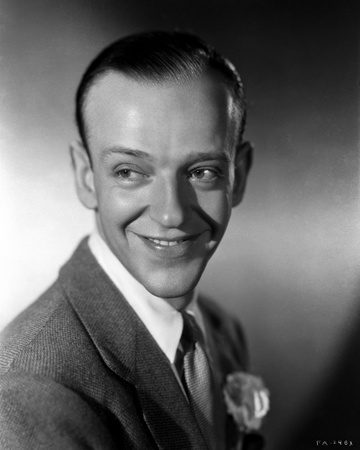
121, 352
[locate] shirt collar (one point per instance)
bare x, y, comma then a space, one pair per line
162, 320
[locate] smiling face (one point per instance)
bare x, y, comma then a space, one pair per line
165, 174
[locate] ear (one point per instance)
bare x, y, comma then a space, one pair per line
84, 175
243, 163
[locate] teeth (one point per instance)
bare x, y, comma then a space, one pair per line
165, 243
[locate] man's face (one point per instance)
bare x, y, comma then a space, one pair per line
163, 176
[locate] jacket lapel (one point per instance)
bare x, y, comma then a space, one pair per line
214, 343
130, 351
165, 408
223, 363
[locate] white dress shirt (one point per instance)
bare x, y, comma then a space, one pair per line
163, 321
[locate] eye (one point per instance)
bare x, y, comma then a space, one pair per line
205, 175
127, 174
124, 173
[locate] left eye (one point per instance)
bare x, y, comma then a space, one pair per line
204, 174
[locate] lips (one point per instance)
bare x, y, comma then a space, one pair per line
176, 247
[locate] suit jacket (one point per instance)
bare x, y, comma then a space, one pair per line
79, 370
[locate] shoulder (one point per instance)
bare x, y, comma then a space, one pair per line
36, 393
29, 325
48, 338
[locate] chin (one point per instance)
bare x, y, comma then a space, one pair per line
171, 287
169, 291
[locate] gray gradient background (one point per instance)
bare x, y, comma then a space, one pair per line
289, 264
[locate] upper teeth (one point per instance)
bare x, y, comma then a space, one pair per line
166, 243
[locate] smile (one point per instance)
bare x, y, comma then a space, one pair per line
165, 243
174, 247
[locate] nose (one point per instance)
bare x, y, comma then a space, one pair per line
170, 203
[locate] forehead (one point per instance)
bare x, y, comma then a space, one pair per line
152, 113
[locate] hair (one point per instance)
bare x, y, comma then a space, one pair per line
159, 57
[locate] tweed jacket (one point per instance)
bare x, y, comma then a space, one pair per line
79, 370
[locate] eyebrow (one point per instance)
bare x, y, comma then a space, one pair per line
208, 156
126, 151
191, 158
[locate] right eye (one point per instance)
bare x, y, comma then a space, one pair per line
127, 173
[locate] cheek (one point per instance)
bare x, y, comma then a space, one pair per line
119, 206
216, 206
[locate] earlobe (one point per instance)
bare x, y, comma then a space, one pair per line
243, 163
84, 175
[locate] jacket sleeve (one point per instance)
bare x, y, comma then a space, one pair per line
38, 413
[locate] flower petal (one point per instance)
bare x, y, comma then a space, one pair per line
262, 403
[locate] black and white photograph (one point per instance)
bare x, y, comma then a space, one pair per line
180, 232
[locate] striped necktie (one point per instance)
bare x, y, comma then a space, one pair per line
199, 381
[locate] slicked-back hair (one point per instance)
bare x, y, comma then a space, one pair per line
158, 57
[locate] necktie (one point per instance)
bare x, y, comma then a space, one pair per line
198, 378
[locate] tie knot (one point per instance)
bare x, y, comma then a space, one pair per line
191, 332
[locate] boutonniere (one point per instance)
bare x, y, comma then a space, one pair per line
247, 400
